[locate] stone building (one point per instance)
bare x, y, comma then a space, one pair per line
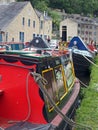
19, 22
45, 24
76, 25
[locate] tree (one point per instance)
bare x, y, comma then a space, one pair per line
77, 6
42, 6
56, 18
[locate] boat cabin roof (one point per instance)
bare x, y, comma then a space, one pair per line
29, 58
39, 54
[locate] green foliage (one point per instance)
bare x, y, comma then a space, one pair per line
55, 17
41, 5
88, 111
86, 7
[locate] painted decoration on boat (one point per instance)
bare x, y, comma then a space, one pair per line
77, 42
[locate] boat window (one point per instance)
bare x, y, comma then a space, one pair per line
64, 59
51, 87
60, 81
21, 46
68, 69
57, 85
57, 62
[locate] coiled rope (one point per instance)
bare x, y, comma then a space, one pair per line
42, 82
1, 128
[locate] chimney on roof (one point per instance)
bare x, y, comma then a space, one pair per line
44, 13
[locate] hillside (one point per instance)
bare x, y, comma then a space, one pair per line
84, 7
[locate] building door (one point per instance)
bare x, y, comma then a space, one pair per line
64, 33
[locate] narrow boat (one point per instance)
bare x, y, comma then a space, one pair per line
37, 91
12, 45
82, 56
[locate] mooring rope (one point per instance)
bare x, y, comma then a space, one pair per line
28, 98
28, 101
82, 83
42, 82
90, 61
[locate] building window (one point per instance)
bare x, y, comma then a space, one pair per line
95, 27
21, 36
82, 19
78, 25
90, 39
41, 25
90, 27
33, 24
82, 26
86, 38
6, 36
0, 37
78, 31
86, 32
86, 26
94, 33
12, 39
90, 33
82, 32
28, 22
23, 21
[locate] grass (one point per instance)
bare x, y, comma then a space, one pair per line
87, 113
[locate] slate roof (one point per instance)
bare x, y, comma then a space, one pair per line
9, 11
45, 16
82, 19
